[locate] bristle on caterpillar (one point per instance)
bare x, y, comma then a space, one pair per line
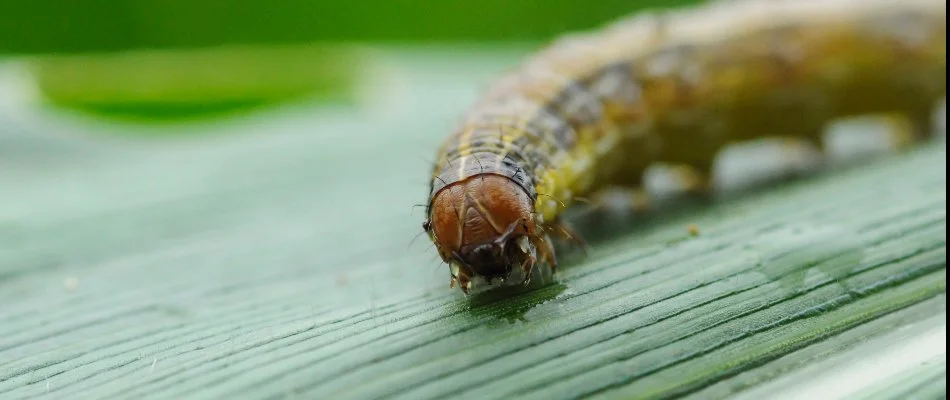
596, 109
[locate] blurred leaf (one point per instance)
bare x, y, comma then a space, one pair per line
198, 82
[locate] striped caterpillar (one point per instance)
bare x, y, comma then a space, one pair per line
596, 109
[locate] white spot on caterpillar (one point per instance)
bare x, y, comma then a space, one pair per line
663, 64
617, 84
692, 74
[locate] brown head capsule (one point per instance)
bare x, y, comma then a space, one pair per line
484, 228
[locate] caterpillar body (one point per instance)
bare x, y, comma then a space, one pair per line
596, 109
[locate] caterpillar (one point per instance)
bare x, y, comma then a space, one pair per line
595, 109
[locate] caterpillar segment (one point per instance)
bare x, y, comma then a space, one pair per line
596, 109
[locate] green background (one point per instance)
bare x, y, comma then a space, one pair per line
76, 26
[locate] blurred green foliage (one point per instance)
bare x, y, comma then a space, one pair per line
185, 83
43, 26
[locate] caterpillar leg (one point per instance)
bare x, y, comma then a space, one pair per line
546, 252
903, 130
900, 130
804, 152
567, 233
627, 192
693, 179
635, 199
639, 199
924, 124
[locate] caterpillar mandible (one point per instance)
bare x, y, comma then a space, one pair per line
597, 108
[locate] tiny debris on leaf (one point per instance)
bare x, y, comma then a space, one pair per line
693, 229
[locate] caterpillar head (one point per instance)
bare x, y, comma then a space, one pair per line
484, 228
